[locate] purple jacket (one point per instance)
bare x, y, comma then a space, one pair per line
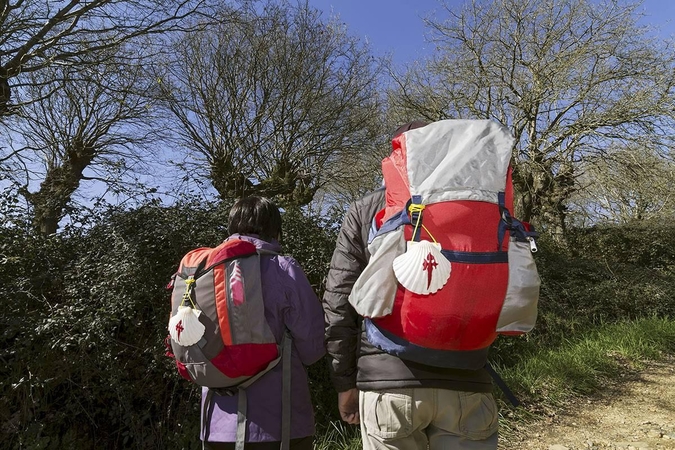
290, 302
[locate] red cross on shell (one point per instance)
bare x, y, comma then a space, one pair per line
422, 269
185, 328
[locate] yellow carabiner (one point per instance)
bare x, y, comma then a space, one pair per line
188, 287
418, 208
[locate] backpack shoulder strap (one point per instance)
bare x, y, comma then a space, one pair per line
286, 393
242, 405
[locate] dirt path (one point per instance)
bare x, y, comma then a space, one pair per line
637, 414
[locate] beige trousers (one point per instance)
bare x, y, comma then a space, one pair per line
426, 418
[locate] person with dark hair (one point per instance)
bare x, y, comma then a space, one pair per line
255, 216
399, 404
290, 305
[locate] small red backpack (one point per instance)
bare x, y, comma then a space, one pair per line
218, 334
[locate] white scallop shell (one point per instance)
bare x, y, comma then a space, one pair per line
422, 269
185, 327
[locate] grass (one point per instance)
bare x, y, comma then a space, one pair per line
582, 366
545, 378
339, 435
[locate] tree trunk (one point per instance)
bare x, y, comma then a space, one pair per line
543, 198
49, 203
5, 93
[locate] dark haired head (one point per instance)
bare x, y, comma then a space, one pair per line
255, 215
409, 126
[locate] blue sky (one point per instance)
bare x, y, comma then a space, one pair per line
390, 26
396, 27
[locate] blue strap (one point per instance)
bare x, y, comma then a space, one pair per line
414, 217
502, 385
398, 219
511, 224
506, 222
400, 347
476, 257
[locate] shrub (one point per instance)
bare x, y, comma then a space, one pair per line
83, 333
604, 275
86, 310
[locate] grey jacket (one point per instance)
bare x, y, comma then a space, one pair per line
354, 362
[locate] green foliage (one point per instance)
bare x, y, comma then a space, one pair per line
612, 274
311, 241
82, 333
339, 435
647, 244
82, 338
87, 365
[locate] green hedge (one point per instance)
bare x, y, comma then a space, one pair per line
602, 275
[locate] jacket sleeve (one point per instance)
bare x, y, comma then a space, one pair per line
342, 322
303, 318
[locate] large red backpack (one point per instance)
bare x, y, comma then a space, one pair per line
450, 267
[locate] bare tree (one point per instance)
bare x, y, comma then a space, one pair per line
93, 126
570, 78
275, 102
35, 35
627, 185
